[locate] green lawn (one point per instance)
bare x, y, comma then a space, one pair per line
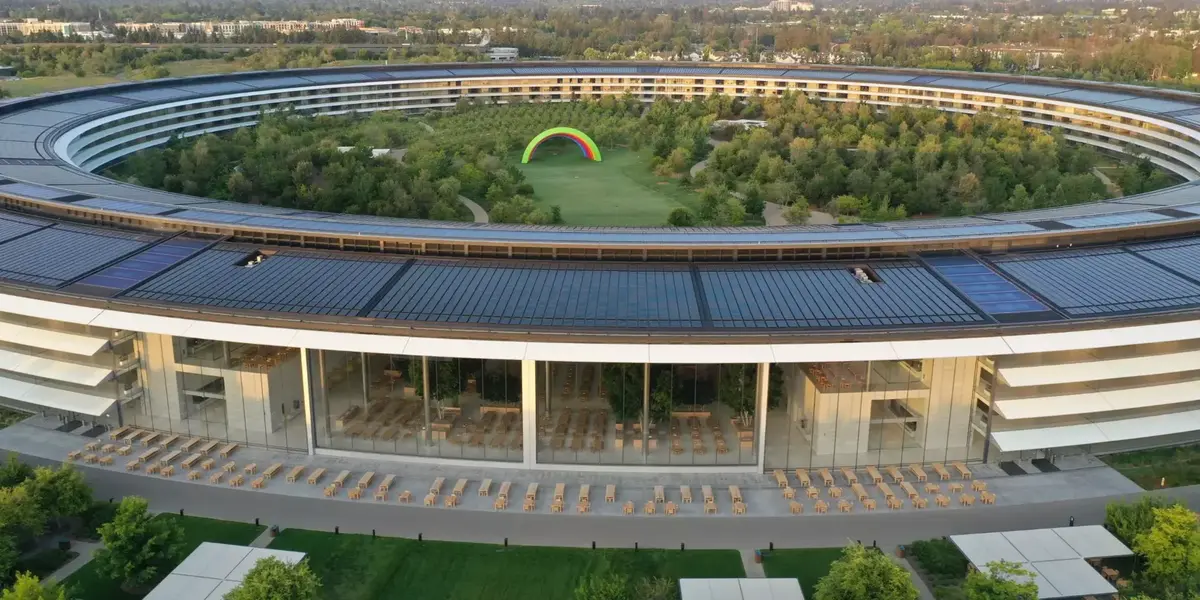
90, 585
808, 565
358, 567
1179, 465
619, 190
53, 83
11, 417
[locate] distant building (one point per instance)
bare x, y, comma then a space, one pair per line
34, 26
503, 54
790, 6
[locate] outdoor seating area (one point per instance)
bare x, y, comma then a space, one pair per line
892, 500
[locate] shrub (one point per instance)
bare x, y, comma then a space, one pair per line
98, 514
45, 562
940, 558
612, 586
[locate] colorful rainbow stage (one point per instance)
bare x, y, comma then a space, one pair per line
580, 138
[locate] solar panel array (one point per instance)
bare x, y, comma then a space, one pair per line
61, 253
807, 296
290, 281
1181, 256
989, 291
543, 294
11, 228
143, 265
1099, 281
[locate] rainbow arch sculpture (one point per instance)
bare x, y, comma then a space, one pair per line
580, 138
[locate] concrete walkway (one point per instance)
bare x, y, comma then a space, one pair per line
754, 570
477, 211
922, 589
1109, 183
773, 215
86, 550
264, 539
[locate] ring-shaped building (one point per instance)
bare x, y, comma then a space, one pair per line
981, 338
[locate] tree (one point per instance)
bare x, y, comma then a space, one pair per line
1002, 581
624, 384
138, 548
1127, 520
61, 493
8, 558
29, 587
14, 472
797, 213
1171, 546
681, 217
20, 515
273, 579
862, 574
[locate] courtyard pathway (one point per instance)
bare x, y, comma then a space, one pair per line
86, 550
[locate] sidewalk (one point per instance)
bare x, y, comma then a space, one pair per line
86, 550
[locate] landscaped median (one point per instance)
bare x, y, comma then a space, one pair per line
1160, 467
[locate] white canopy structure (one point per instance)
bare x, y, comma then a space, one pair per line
212, 570
740, 589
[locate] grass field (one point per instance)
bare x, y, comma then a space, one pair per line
358, 567
620, 190
808, 565
55, 83
1180, 466
87, 584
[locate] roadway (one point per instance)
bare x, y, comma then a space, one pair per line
573, 530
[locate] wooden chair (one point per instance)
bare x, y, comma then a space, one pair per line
987, 497
404, 497
869, 504
650, 507
844, 505
92, 446
194, 475
556, 506
941, 500
500, 503
795, 507
296, 472
821, 507
710, 508
628, 507
919, 502
966, 500
895, 503
207, 464
315, 477
835, 492
152, 469
485, 487
74, 455
529, 505
167, 471
739, 508
106, 461
431, 499
979, 485
250, 469
451, 501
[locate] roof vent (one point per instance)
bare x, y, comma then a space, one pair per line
252, 260
865, 275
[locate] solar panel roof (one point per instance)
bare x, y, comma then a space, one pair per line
20, 133
289, 281
754, 72
10, 149
58, 254
33, 191
337, 77
605, 70
544, 71
37, 116
421, 73
811, 296
880, 77
11, 228
1030, 89
143, 265
219, 87
276, 82
482, 72
689, 71
968, 84
1099, 281
815, 74
983, 286
83, 106
157, 94
1093, 96
1153, 105
125, 206
1181, 256
1114, 220
543, 294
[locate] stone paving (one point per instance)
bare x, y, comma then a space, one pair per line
1080, 478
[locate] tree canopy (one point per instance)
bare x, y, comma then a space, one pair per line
1001, 581
273, 579
865, 574
138, 548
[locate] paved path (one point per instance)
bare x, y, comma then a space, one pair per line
391, 519
1109, 183
86, 550
263, 540
754, 570
477, 211
922, 589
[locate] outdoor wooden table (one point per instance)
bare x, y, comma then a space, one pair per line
228, 449
251, 468
848, 473
739, 508
979, 485
315, 477
943, 474
802, 475
685, 494
956, 487
628, 507
147, 455
191, 460
859, 491
229, 467
166, 460
780, 478
272, 470
962, 469
124, 450
813, 492
460, 488
845, 505
118, 432
504, 488
208, 447
365, 480
827, 477
987, 497
92, 446
909, 489
385, 486
436, 488
585, 494
895, 474
531, 491
789, 493
933, 488
659, 494
796, 507
295, 473
192, 443
207, 464
966, 499
170, 440
918, 472
340, 480
735, 493
485, 487
610, 493
886, 489
150, 437
820, 506
873, 473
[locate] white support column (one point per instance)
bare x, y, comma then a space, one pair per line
529, 411
306, 384
760, 411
